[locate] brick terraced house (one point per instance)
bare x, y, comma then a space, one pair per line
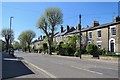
104, 36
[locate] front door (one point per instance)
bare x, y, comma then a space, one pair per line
112, 47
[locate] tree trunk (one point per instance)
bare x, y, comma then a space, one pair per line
7, 43
49, 48
52, 35
29, 48
7, 46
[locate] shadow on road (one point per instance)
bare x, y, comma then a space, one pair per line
12, 68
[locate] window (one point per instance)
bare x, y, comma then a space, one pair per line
90, 35
113, 31
64, 38
99, 44
57, 39
75, 34
60, 38
69, 40
89, 42
99, 34
81, 37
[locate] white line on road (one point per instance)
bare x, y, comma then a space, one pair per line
102, 67
87, 70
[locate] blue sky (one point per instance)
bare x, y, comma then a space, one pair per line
26, 14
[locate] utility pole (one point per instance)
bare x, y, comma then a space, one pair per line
10, 30
80, 33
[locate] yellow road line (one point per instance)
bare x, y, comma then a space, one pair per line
49, 74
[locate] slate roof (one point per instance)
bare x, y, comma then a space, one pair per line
65, 32
93, 28
36, 41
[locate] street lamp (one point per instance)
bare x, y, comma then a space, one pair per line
80, 34
10, 29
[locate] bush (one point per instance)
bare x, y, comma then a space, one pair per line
110, 54
77, 53
83, 51
56, 51
66, 50
47, 50
102, 51
92, 49
54, 47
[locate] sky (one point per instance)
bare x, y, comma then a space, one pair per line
26, 14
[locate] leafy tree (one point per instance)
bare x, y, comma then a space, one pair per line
8, 35
23, 42
16, 45
26, 38
48, 23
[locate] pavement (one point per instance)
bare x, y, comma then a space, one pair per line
0, 65
14, 68
56, 66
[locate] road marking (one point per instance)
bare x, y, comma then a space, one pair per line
10, 59
87, 70
49, 74
102, 67
100, 60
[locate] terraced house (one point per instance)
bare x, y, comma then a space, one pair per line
104, 36
62, 35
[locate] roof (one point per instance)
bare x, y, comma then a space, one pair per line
93, 28
37, 41
65, 32
2, 41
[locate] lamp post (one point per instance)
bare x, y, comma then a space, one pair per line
10, 29
80, 34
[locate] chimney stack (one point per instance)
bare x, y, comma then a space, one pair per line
116, 19
67, 28
87, 26
61, 29
41, 37
78, 27
44, 37
95, 23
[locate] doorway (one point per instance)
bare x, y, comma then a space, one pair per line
112, 45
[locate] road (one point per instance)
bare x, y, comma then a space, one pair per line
55, 66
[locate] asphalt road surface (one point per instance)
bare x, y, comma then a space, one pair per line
55, 66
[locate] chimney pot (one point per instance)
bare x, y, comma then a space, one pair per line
95, 23
67, 28
61, 28
78, 27
87, 26
116, 19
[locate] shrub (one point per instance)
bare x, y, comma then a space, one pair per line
47, 50
83, 50
102, 51
54, 47
111, 54
77, 53
56, 51
66, 49
92, 49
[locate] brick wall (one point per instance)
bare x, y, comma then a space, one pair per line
118, 38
